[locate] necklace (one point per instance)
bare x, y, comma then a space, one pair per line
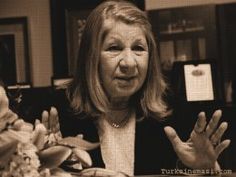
119, 124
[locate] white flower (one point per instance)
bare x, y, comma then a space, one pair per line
23, 163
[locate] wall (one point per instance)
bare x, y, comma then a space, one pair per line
160, 4
39, 30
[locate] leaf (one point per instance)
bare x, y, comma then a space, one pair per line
17, 124
20, 136
27, 127
77, 142
76, 166
8, 118
53, 156
83, 157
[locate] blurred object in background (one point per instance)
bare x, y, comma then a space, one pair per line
227, 37
228, 92
234, 88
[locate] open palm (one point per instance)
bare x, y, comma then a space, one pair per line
203, 148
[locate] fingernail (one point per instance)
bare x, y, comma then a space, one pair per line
37, 121
218, 113
45, 113
53, 108
202, 114
228, 142
225, 124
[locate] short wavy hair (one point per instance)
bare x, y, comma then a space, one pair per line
86, 93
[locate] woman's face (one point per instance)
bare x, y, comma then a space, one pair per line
124, 60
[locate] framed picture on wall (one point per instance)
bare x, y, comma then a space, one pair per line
14, 51
68, 19
197, 81
75, 23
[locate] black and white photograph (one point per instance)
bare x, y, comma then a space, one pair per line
118, 88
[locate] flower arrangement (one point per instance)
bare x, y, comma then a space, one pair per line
39, 150
31, 151
28, 150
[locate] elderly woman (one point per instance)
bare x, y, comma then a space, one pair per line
116, 98
117, 95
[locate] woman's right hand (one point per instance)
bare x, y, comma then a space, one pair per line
50, 120
204, 146
77, 145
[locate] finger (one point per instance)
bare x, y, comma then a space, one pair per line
39, 136
53, 120
45, 119
223, 145
216, 137
201, 123
213, 122
4, 102
36, 122
172, 136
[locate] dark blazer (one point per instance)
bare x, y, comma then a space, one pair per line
153, 151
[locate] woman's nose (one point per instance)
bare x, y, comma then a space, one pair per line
128, 62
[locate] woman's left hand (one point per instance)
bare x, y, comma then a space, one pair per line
203, 148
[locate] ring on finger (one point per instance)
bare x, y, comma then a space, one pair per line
199, 132
215, 143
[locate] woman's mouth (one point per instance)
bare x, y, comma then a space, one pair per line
125, 81
126, 78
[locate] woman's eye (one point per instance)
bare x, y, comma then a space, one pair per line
114, 48
138, 48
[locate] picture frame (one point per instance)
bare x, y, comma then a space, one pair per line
64, 15
75, 23
198, 82
204, 89
15, 50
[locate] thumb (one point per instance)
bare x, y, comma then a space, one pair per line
172, 136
